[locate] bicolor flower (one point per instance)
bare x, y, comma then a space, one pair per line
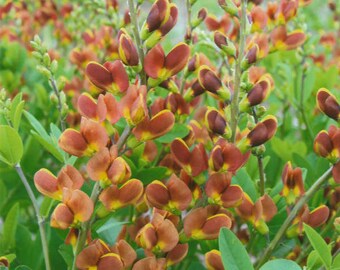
259, 93
193, 162
293, 187
126, 49
110, 77
161, 19
157, 126
251, 57
98, 255
327, 144
115, 197
106, 166
133, 105
159, 67
216, 122
106, 107
287, 10
226, 157
258, 213
150, 263
174, 196
160, 235
225, 44
213, 260
328, 104
52, 186
204, 223
91, 138
314, 218
3, 260
76, 207
281, 40
211, 83
259, 19
176, 104
220, 191
177, 254
262, 132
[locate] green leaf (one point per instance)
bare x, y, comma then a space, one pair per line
50, 147
149, 174
67, 253
46, 206
10, 227
23, 267
336, 263
110, 230
243, 179
11, 147
313, 261
37, 126
280, 264
319, 245
234, 255
17, 108
178, 131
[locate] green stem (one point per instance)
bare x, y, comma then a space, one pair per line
238, 71
260, 162
39, 217
301, 106
303, 200
123, 137
86, 226
135, 29
60, 104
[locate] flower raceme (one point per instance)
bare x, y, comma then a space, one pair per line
52, 186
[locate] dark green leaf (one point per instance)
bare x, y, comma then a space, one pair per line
50, 147
10, 227
319, 245
280, 264
11, 147
234, 255
149, 174
243, 179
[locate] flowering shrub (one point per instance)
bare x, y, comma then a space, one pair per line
169, 135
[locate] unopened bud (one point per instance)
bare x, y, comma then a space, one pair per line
229, 7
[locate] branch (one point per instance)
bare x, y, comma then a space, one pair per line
135, 29
238, 71
37, 212
304, 199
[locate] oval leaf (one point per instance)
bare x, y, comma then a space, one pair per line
11, 148
234, 255
280, 264
319, 245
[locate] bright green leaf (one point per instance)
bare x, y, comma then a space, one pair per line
178, 131
280, 264
234, 255
336, 263
319, 245
11, 147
